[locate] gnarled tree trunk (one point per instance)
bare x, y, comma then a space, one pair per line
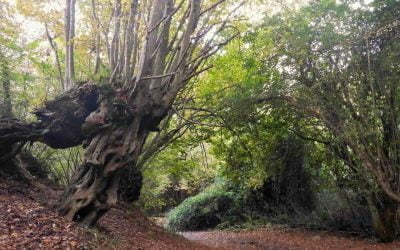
95, 189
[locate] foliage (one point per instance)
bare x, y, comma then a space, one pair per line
181, 170
283, 196
205, 210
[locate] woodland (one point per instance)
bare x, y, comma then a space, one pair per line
206, 114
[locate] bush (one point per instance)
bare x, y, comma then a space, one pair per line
221, 206
213, 206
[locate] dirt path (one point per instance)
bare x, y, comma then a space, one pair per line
269, 238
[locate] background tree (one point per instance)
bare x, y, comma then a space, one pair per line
69, 23
6, 106
340, 64
8, 32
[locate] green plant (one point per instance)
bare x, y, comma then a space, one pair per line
205, 210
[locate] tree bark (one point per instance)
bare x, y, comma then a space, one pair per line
116, 147
95, 190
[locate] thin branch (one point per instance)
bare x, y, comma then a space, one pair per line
158, 77
212, 7
54, 48
194, 122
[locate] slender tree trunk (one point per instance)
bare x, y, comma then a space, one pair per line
7, 112
53, 46
130, 42
6, 105
98, 38
98, 50
69, 44
114, 51
149, 51
71, 40
159, 65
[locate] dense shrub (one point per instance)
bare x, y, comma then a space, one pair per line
213, 206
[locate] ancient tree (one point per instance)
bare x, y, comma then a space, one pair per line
149, 66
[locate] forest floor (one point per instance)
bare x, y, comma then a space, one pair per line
283, 238
29, 221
